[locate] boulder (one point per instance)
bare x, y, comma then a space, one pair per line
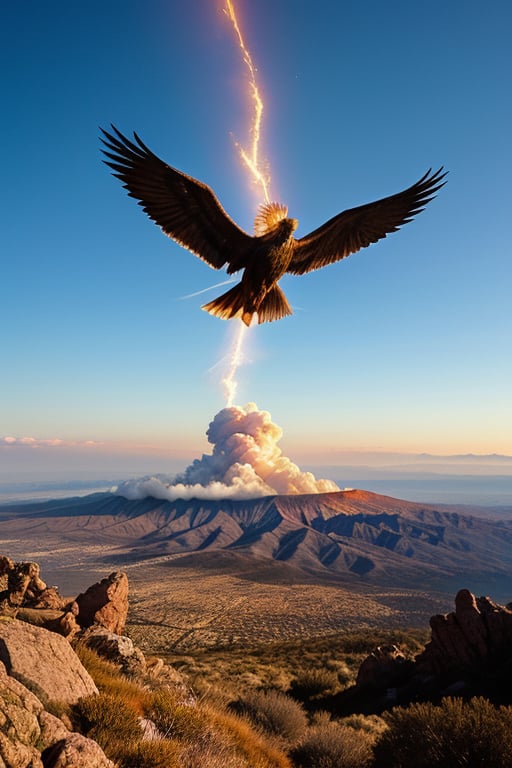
15, 754
23, 581
64, 624
383, 667
52, 730
31, 737
105, 603
475, 635
19, 725
118, 649
48, 598
44, 661
76, 751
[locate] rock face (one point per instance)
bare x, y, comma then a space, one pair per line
22, 582
25, 595
383, 667
118, 649
30, 737
470, 653
76, 751
43, 660
477, 633
105, 603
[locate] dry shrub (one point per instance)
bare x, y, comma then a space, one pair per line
238, 734
372, 725
275, 713
314, 683
195, 736
110, 680
210, 737
320, 717
107, 720
456, 734
150, 754
333, 746
175, 719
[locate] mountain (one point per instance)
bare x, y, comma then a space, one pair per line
352, 534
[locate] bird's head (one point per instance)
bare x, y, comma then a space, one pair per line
288, 226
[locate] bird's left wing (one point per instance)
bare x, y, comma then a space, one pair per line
185, 209
357, 228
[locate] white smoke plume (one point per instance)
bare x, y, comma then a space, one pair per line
246, 463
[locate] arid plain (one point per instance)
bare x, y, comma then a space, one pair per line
190, 592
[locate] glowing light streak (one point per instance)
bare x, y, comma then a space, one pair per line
210, 288
251, 159
236, 358
250, 156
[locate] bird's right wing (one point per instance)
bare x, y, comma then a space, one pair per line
185, 209
357, 228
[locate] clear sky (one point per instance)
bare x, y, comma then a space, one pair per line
405, 346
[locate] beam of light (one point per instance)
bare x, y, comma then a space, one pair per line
251, 159
250, 156
236, 358
210, 288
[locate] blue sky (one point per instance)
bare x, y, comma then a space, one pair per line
403, 347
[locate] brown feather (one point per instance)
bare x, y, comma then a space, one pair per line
186, 209
357, 228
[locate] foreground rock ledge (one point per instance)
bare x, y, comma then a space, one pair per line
44, 661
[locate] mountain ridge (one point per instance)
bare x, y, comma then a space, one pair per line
353, 533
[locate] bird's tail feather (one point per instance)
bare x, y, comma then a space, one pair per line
229, 305
233, 304
274, 306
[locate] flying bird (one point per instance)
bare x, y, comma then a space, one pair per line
189, 212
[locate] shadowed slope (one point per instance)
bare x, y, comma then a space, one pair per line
347, 533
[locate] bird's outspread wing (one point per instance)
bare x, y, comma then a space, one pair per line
357, 228
186, 209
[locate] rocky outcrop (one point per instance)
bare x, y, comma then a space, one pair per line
64, 623
383, 667
76, 751
44, 661
478, 632
118, 649
48, 598
31, 737
21, 582
130, 660
105, 603
23, 594
469, 653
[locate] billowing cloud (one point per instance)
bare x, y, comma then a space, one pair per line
246, 462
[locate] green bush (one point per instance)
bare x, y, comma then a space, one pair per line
333, 746
456, 734
273, 712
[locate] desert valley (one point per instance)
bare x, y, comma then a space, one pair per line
217, 573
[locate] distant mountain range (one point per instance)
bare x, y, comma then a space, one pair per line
353, 534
